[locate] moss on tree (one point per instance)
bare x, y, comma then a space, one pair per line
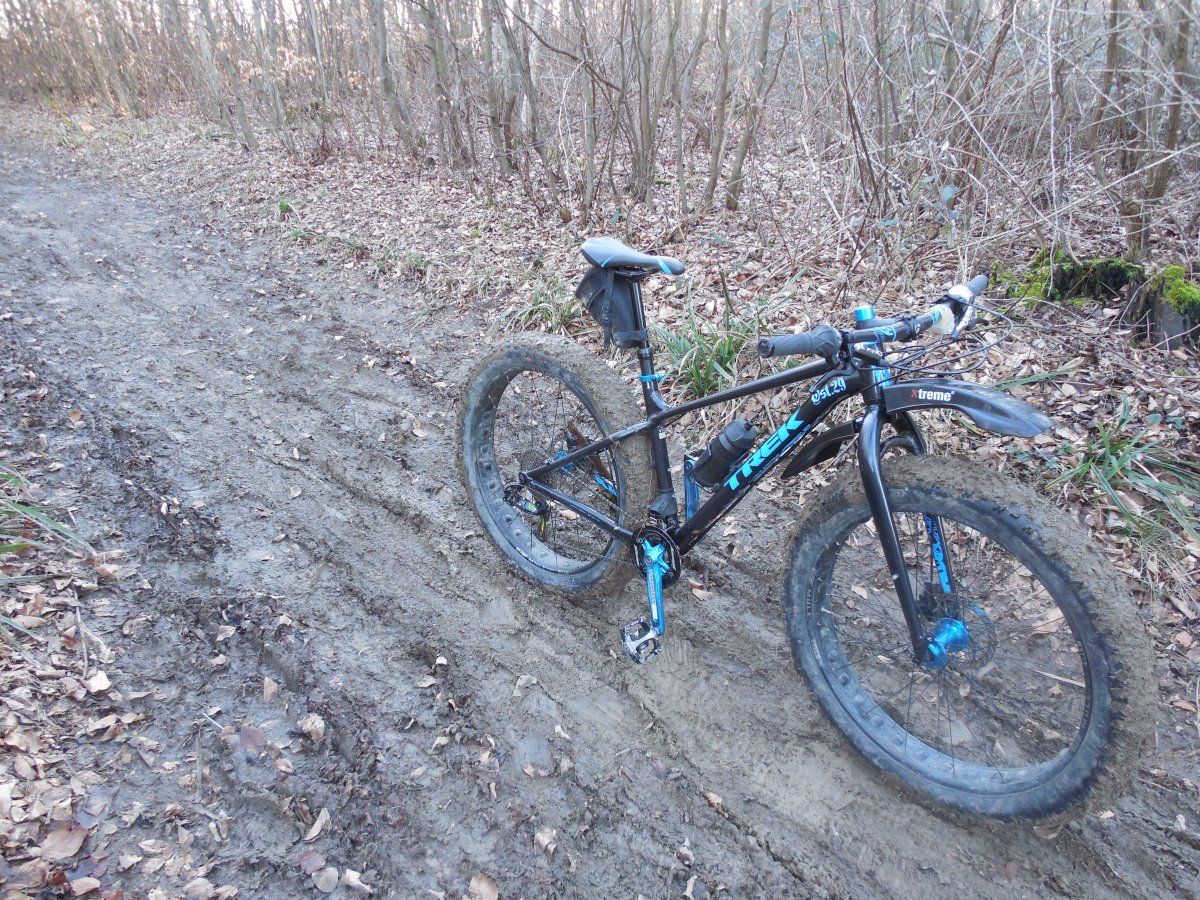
1181, 292
1060, 277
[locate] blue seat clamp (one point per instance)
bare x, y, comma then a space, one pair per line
653, 376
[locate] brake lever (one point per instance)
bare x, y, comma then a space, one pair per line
968, 319
962, 301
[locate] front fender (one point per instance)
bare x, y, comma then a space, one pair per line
986, 406
823, 446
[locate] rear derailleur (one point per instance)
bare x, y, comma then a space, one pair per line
657, 556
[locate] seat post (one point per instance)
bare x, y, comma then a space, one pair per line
665, 504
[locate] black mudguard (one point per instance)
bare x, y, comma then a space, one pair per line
986, 406
821, 447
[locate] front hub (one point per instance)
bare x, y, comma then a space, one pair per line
950, 636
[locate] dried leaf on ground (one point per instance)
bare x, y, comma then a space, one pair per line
64, 842
326, 879
318, 826
483, 887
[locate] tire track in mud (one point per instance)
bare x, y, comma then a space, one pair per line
245, 386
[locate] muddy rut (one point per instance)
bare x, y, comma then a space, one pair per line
276, 448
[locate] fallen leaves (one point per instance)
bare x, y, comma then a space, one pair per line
523, 681
325, 879
715, 801
85, 885
97, 683
63, 843
313, 727
353, 880
318, 825
684, 854
483, 887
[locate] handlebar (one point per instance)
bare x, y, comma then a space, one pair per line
977, 285
950, 316
824, 340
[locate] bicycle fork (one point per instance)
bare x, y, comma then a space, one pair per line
949, 635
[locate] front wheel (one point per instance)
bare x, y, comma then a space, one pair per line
1038, 697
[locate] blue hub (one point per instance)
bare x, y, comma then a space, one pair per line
950, 636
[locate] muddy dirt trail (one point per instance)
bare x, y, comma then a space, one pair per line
277, 452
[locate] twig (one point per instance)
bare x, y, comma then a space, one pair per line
82, 640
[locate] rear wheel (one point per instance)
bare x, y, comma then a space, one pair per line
1038, 696
535, 399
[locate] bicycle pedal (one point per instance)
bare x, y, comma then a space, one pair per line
640, 641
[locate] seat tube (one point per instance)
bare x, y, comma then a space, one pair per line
871, 470
665, 504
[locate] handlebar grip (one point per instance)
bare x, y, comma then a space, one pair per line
977, 285
824, 340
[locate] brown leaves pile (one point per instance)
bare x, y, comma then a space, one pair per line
53, 689
58, 695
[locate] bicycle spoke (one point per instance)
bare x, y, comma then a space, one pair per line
539, 419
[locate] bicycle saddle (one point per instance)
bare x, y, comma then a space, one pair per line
607, 252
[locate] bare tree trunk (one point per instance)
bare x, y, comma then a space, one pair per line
540, 146
249, 141
755, 108
454, 151
682, 96
493, 89
397, 111
1158, 174
721, 99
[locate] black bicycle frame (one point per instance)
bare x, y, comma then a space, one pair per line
860, 375
835, 385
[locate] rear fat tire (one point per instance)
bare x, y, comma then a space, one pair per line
614, 407
1034, 532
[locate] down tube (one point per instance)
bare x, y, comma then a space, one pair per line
827, 393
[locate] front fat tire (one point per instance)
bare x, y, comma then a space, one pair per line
1113, 753
615, 408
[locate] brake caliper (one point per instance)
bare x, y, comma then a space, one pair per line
516, 496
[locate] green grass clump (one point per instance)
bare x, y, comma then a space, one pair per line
704, 357
552, 307
25, 526
415, 261
1121, 458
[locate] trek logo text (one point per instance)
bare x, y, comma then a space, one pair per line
793, 427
